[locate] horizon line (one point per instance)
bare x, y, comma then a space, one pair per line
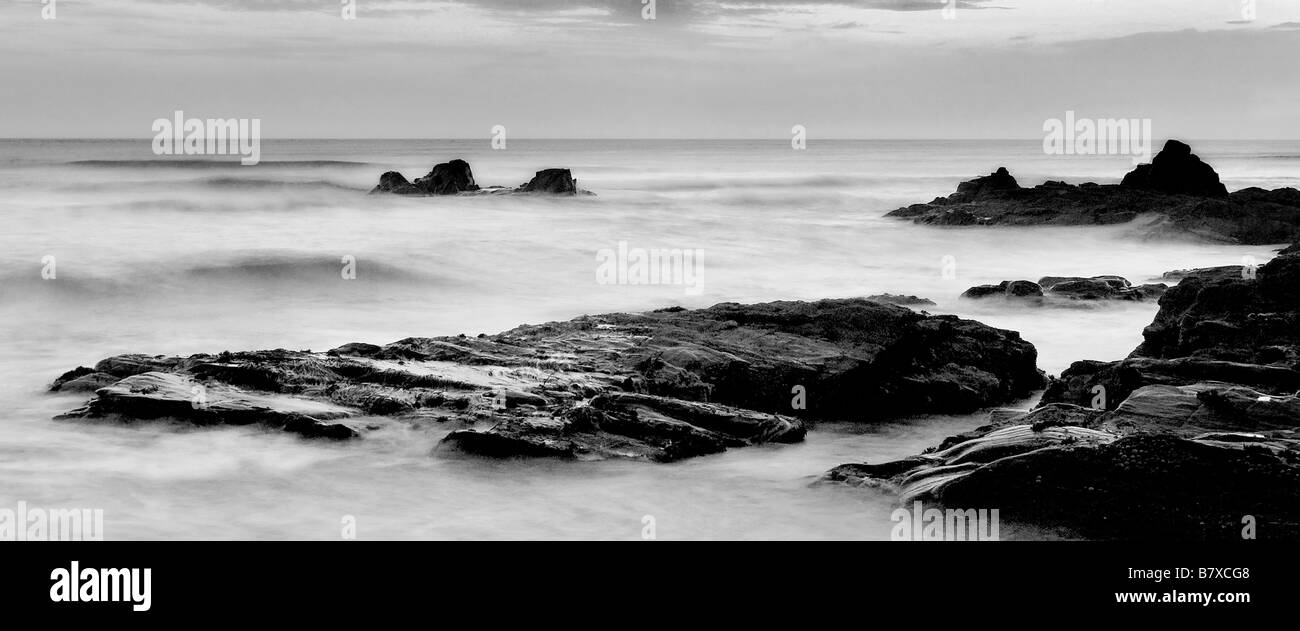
638, 138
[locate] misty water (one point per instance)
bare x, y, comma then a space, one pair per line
163, 256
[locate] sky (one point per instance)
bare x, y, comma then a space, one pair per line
1203, 69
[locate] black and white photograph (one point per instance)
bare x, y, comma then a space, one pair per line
636, 272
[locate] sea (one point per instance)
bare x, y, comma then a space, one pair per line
107, 248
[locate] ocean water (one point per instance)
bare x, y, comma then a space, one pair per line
166, 256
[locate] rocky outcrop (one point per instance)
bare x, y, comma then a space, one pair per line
1197, 428
552, 181
396, 183
1060, 290
1176, 171
448, 178
456, 178
1177, 196
657, 386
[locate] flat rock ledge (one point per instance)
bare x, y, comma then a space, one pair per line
658, 386
1176, 196
1198, 428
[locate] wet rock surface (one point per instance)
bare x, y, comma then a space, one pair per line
657, 386
1199, 427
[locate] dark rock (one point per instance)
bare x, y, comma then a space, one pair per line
1199, 426
553, 181
1232, 318
1060, 289
89, 382
1177, 171
1250, 216
456, 178
658, 385
1009, 289
1120, 482
394, 182
982, 187
901, 300
448, 178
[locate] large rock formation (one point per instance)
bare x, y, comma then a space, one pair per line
1197, 429
456, 178
1177, 171
1176, 195
448, 178
553, 181
658, 386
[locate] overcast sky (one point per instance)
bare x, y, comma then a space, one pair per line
595, 68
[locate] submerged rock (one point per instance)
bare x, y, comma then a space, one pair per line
1175, 196
658, 386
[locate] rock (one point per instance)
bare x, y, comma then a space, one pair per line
89, 382
155, 395
1008, 289
1077, 384
1106, 483
658, 386
1176, 171
642, 426
1231, 317
901, 300
982, 187
553, 181
1199, 426
456, 178
1062, 289
1177, 196
396, 183
448, 178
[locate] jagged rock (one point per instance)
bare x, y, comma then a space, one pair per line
553, 181
1197, 206
394, 182
1176, 170
448, 178
659, 385
987, 185
1233, 318
456, 178
1198, 427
